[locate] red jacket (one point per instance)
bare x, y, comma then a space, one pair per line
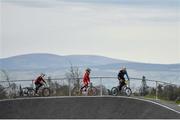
39, 80
86, 78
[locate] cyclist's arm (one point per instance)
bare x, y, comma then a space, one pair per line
127, 76
43, 80
46, 84
88, 80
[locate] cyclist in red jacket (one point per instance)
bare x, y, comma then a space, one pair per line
86, 79
39, 82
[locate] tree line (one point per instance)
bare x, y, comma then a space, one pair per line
164, 91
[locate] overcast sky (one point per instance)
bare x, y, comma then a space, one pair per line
137, 30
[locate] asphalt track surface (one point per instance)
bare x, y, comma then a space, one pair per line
84, 108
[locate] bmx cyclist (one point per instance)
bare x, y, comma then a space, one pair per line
121, 78
86, 79
39, 82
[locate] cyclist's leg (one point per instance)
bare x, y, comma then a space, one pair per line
121, 83
85, 86
37, 87
82, 87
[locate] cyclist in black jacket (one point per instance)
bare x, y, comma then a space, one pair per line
121, 78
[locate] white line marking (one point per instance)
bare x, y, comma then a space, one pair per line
153, 103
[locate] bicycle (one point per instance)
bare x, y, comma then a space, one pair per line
125, 90
42, 91
90, 91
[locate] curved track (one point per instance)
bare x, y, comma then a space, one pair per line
85, 107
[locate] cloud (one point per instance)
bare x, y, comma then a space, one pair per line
157, 3
32, 3
145, 3
68, 27
125, 10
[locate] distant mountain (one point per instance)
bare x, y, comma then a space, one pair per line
51, 61
142, 66
29, 65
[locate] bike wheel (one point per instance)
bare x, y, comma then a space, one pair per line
46, 92
92, 91
75, 91
128, 91
114, 91
30, 92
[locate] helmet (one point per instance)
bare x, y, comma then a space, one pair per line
42, 74
123, 68
88, 69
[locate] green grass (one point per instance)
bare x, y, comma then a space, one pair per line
178, 102
150, 96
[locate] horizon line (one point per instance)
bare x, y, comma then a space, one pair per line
86, 55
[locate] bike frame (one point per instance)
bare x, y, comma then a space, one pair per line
88, 88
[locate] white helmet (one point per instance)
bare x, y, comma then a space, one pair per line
123, 68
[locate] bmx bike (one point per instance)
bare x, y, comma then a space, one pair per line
125, 90
90, 91
42, 91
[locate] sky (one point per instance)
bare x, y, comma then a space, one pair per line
136, 30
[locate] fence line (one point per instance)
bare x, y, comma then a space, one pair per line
93, 77
154, 81
100, 78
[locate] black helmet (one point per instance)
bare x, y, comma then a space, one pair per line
88, 69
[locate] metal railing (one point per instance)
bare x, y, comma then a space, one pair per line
98, 80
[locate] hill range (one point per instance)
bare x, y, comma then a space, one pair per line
51, 61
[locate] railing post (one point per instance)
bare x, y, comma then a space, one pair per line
144, 86
101, 86
33, 85
156, 90
69, 82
